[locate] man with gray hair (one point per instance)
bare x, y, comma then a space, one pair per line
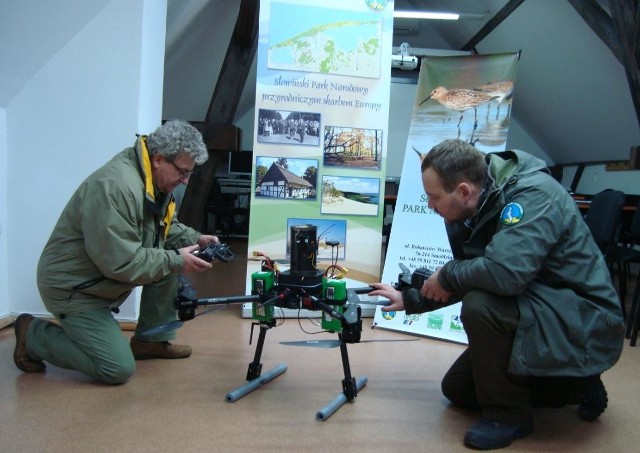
119, 230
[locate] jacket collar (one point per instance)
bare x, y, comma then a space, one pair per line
162, 205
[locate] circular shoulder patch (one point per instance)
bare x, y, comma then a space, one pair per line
511, 214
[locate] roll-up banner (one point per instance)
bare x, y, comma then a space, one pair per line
322, 106
466, 97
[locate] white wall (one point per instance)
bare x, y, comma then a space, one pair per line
596, 178
4, 293
519, 139
151, 64
85, 104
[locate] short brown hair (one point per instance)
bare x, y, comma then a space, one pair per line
455, 161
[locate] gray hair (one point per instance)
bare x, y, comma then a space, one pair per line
178, 137
455, 161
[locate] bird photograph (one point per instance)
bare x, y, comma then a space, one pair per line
460, 100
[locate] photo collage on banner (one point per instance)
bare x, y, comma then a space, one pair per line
465, 97
322, 107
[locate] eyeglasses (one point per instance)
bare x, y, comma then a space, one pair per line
184, 173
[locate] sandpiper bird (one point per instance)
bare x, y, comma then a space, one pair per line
501, 89
460, 100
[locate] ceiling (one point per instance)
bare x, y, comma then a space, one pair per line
571, 97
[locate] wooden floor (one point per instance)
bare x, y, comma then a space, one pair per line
180, 406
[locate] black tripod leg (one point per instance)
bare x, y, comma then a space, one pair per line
255, 367
349, 387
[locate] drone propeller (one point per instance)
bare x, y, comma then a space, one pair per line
175, 324
334, 343
313, 343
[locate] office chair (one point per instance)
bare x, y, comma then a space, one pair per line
603, 219
624, 256
634, 317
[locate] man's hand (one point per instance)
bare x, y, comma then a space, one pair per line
431, 289
389, 292
206, 239
191, 262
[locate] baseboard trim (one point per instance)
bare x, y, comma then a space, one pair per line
6, 321
127, 326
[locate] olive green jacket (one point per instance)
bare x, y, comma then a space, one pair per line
112, 236
540, 252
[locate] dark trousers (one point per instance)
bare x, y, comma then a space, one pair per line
479, 377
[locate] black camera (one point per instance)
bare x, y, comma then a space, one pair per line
187, 301
419, 276
415, 279
214, 251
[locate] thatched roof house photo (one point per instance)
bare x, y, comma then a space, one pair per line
278, 182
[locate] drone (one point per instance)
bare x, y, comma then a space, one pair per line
302, 286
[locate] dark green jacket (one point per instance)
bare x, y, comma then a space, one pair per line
112, 236
570, 317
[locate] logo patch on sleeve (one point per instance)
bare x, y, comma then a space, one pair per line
511, 214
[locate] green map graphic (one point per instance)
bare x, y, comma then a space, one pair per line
324, 40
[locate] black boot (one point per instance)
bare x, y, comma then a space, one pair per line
594, 400
489, 435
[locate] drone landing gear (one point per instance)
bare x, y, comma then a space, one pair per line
254, 377
350, 386
255, 383
255, 380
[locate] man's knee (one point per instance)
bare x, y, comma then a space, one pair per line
116, 372
474, 306
451, 391
483, 309
457, 397
458, 386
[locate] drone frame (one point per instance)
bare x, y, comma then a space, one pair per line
341, 314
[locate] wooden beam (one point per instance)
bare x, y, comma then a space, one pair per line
492, 24
632, 164
625, 15
222, 109
601, 24
576, 178
620, 34
220, 137
236, 65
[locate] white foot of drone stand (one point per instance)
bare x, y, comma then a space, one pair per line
338, 402
258, 382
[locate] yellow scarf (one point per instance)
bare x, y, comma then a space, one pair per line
149, 188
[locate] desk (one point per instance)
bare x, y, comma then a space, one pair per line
585, 204
233, 185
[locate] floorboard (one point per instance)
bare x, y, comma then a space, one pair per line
180, 405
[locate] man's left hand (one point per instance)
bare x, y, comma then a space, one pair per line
207, 239
431, 289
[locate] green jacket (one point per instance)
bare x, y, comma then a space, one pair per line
112, 236
544, 256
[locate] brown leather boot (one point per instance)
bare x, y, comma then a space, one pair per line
20, 356
159, 350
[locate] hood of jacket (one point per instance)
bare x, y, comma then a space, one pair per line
505, 164
157, 204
